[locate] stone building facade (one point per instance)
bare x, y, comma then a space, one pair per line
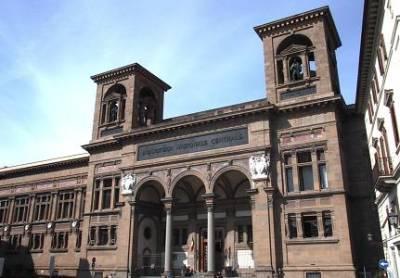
269, 188
378, 99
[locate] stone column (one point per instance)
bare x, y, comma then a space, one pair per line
304, 66
315, 170
53, 205
78, 194
10, 211
299, 226
286, 74
31, 207
168, 236
210, 233
320, 224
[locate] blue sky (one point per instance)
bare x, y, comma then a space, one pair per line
205, 49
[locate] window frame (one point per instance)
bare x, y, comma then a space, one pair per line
98, 193
41, 204
22, 209
66, 206
113, 95
4, 209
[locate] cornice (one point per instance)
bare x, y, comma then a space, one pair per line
299, 19
309, 104
128, 70
191, 123
32, 168
100, 144
372, 24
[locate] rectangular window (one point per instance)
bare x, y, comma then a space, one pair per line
113, 235
96, 198
374, 92
92, 236
107, 188
78, 242
83, 203
42, 207
103, 235
59, 240
313, 274
394, 124
327, 223
323, 176
15, 241
306, 181
312, 66
65, 205
370, 112
288, 172
36, 242
292, 225
116, 191
3, 210
310, 226
21, 209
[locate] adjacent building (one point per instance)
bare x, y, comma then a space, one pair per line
276, 187
379, 100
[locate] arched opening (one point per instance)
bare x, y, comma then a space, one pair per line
147, 107
189, 219
233, 229
113, 105
295, 59
150, 231
296, 39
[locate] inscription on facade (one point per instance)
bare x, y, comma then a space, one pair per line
194, 144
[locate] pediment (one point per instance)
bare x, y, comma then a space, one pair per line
293, 48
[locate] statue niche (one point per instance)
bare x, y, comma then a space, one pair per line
147, 108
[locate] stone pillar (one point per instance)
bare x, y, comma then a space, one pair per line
53, 205
320, 224
299, 226
10, 211
168, 236
31, 207
210, 235
286, 74
304, 65
315, 170
263, 228
132, 259
78, 200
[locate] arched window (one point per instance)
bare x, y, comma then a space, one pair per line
295, 59
147, 107
113, 105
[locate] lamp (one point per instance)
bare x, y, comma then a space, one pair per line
393, 219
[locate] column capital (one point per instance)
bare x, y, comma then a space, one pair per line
210, 199
132, 203
168, 202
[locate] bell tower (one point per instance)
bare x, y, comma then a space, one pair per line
299, 57
127, 98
